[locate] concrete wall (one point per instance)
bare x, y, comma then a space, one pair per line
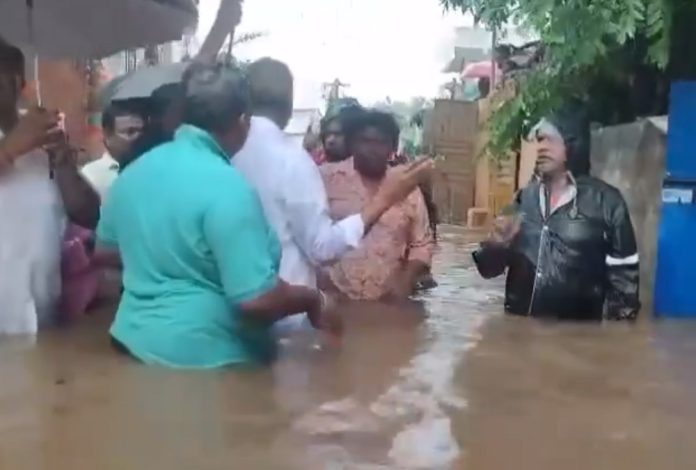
632, 158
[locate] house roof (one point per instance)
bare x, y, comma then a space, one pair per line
301, 120
473, 44
468, 36
463, 56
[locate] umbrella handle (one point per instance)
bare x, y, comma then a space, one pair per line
30, 28
37, 82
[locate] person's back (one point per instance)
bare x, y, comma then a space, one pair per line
171, 278
270, 163
200, 259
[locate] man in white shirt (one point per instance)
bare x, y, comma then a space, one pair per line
36, 195
291, 188
122, 125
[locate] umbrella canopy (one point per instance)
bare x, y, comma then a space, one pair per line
93, 28
482, 69
142, 82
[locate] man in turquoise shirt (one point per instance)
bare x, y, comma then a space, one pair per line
201, 285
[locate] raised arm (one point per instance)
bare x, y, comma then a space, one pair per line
247, 253
306, 201
38, 127
81, 200
320, 238
492, 257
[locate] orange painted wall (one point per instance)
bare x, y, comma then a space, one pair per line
64, 86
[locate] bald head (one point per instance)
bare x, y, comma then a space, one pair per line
271, 85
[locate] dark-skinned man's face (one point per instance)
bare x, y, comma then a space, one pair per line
371, 151
551, 151
127, 129
335, 142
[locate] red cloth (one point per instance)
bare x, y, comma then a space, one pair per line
483, 69
79, 273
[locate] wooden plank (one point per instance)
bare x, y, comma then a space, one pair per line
451, 131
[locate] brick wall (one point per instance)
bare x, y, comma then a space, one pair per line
64, 86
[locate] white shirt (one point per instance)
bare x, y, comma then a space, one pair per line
32, 226
101, 174
295, 202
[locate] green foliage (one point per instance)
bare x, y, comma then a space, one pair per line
410, 116
582, 38
658, 17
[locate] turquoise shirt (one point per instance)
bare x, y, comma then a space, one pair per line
195, 244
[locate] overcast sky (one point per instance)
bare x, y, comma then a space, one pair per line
380, 47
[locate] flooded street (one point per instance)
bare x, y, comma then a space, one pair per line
451, 383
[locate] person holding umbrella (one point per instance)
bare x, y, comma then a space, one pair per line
36, 199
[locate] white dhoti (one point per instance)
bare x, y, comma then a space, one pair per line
32, 225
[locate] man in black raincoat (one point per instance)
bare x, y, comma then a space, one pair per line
568, 243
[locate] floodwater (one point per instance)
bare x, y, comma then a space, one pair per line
448, 383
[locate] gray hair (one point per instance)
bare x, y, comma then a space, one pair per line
271, 84
215, 96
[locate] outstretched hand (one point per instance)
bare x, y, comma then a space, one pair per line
404, 179
37, 128
505, 229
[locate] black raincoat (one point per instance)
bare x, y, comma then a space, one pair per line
579, 262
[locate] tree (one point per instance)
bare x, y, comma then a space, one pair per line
616, 55
411, 117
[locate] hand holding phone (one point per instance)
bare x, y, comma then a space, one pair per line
37, 127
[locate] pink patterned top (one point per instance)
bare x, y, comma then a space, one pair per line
402, 234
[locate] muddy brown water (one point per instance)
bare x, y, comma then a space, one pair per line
447, 383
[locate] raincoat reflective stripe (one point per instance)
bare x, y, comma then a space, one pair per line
627, 261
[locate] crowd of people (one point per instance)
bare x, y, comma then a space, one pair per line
229, 236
